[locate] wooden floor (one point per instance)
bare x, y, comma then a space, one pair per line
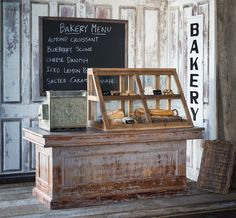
16, 201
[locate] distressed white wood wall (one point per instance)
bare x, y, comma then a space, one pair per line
178, 13
19, 59
157, 38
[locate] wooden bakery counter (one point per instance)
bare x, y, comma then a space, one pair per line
92, 166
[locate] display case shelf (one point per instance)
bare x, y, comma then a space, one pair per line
138, 97
134, 104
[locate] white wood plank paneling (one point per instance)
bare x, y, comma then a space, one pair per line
140, 38
28, 149
151, 42
151, 37
163, 34
11, 145
81, 8
103, 11
189, 155
37, 9
25, 45
53, 6
67, 10
174, 37
129, 13
11, 52
32, 155
204, 9
33, 123
187, 12
89, 8
25, 154
177, 56
180, 47
213, 76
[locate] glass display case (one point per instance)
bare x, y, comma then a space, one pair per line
143, 98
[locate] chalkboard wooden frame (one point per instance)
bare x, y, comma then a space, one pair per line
42, 58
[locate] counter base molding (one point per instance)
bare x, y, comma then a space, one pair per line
81, 174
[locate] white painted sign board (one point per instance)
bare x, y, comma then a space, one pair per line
195, 69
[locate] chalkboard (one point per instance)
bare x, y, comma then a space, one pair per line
68, 46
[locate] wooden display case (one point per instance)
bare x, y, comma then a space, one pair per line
143, 98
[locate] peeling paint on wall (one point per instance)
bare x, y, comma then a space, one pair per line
11, 23
23, 17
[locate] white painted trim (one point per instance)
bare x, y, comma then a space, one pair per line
212, 107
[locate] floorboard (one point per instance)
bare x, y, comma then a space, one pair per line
16, 201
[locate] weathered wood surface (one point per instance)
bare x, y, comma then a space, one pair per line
216, 166
88, 175
226, 68
98, 137
16, 201
226, 40
74, 169
132, 71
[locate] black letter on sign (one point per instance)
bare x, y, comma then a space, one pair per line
194, 113
194, 29
193, 97
193, 64
194, 46
193, 80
